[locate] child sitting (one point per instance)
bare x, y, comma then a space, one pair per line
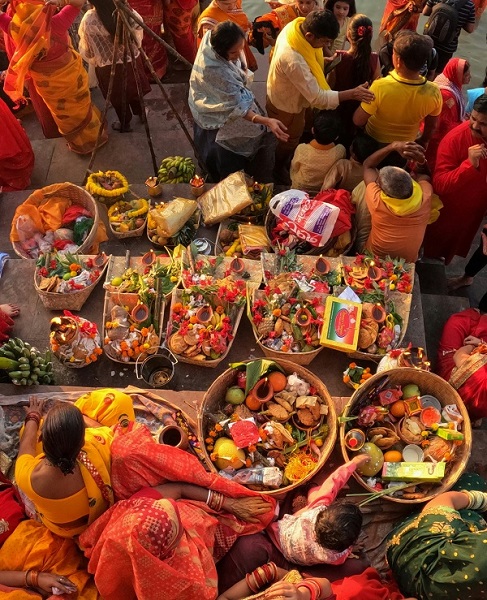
321, 532
346, 174
311, 162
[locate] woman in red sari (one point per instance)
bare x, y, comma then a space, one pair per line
151, 12
152, 543
398, 15
462, 358
455, 75
16, 154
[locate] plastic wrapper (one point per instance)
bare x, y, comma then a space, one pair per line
253, 238
268, 476
227, 198
172, 216
310, 220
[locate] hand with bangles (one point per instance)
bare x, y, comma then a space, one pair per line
48, 583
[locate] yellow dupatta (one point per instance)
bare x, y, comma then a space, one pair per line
405, 206
106, 406
313, 56
30, 30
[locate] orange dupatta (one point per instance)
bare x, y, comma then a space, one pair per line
30, 29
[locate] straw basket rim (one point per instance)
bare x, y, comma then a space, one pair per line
128, 234
440, 389
212, 363
84, 198
229, 376
72, 300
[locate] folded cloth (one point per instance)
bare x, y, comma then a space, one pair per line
342, 200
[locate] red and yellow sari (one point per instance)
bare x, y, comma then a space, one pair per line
151, 12
177, 543
59, 78
213, 15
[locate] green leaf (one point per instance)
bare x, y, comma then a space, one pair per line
256, 369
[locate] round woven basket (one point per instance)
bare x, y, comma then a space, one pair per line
213, 397
128, 234
428, 383
77, 195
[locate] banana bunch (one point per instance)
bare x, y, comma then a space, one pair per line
217, 321
24, 364
176, 169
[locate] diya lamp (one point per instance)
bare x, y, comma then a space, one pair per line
237, 265
63, 330
140, 313
197, 185
303, 317
262, 391
322, 266
378, 313
373, 271
99, 260
204, 314
149, 258
154, 188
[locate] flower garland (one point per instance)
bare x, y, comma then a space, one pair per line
108, 184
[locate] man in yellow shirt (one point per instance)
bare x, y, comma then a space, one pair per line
404, 98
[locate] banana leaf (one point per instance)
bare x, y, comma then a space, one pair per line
256, 369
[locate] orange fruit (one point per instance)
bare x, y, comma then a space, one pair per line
397, 409
392, 456
278, 380
252, 403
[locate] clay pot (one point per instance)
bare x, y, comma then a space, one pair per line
303, 317
100, 260
262, 391
374, 273
153, 188
172, 435
237, 265
140, 313
204, 314
149, 258
322, 266
354, 439
65, 330
378, 313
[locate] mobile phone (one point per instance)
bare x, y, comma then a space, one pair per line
330, 66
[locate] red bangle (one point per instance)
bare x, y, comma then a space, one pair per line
313, 595
34, 579
33, 416
27, 577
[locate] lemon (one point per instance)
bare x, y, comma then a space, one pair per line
392, 456
116, 281
73, 273
66, 276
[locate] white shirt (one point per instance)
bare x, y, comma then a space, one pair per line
96, 44
291, 87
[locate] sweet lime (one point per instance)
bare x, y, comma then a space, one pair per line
66, 276
116, 281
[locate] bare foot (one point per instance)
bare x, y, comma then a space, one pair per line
458, 282
12, 310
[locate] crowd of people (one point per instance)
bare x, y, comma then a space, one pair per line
99, 509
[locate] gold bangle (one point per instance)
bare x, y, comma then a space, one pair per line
253, 118
26, 578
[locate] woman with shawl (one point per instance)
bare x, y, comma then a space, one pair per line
219, 11
44, 53
229, 128
16, 154
164, 541
455, 75
67, 476
462, 358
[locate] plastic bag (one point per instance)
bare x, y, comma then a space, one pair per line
170, 217
253, 238
227, 198
267, 476
310, 220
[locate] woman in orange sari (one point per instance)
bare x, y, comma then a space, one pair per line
164, 541
226, 10
398, 15
43, 52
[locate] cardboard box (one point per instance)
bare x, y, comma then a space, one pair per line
341, 324
414, 471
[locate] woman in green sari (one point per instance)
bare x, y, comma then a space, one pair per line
442, 552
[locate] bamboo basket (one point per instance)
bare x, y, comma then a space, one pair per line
305, 264
429, 383
252, 267
128, 234
77, 195
131, 301
349, 261
402, 304
212, 401
235, 315
73, 300
299, 358
117, 268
